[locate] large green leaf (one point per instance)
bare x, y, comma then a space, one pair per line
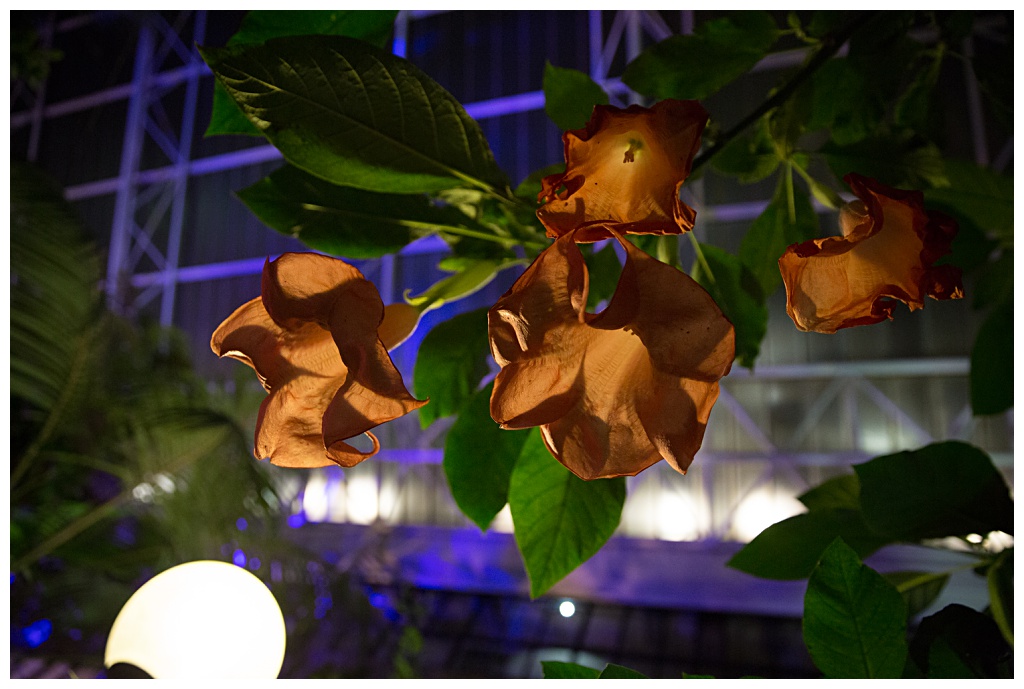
978, 194
855, 622
570, 96
897, 160
841, 492
992, 361
450, 363
356, 115
961, 643
781, 224
750, 157
554, 669
698, 65
344, 221
372, 26
791, 548
613, 671
736, 290
472, 275
478, 459
560, 520
1000, 593
944, 489
844, 102
919, 589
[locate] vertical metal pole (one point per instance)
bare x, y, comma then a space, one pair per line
131, 152
399, 45
46, 39
634, 44
180, 181
598, 70
977, 115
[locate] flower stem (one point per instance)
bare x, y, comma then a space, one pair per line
704, 266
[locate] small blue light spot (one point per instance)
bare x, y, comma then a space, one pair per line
239, 558
75, 634
241, 524
379, 600
37, 632
12, 577
254, 563
296, 520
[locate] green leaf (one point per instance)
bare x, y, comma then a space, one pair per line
844, 102
355, 115
560, 520
855, 622
841, 492
372, 26
772, 232
958, 642
531, 185
944, 489
451, 361
473, 275
897, 160
992, 361
698, 65
749, 157
613, 671
478, 459
736, 290
1000, 592
604, 270
995, 282
791, 548
554, 669
919, 589
570, 96
978, 194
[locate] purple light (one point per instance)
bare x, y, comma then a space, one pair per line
296, 520
37, 632
254, 563
239, 558
241, 524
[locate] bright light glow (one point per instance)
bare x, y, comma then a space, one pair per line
975, 538
761, 509
503, 521
200, 620
566, 608
362, 499
677, 516
314, 497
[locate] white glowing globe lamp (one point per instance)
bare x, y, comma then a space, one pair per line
200, 620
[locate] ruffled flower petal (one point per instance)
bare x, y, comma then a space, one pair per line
623, 172
313, 341
612, 392
886, 253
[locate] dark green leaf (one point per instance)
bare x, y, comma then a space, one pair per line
372, 26
689, 676
992, 362
531, 186
356, 115
944, 489
778, 226
343, 221
841, 492
979, 195
791, 548
604, 269
473, 275
570, 96
896, 160
844, 102
738, 293
995, 282
478, 459
971, 248
612, 671
749, 157
958, 642
554, 669
560, 520
1000, 592
698, 65
826, 21
451, 361
955, 25
919, 589
994, 69
915, 107
855, 622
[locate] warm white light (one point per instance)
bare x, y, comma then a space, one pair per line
567, 609
677, 516
975, 538
761, 509
503, 521
362, 498
200, 620
314, 497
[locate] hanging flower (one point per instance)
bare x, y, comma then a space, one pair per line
612, 392
623, 172
314, 339
887, 251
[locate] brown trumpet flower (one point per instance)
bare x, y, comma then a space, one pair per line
314, 339
887, 251
612, 392
623, 172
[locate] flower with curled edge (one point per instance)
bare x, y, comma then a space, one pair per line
888, 249
612, 392
318, 339
623, 172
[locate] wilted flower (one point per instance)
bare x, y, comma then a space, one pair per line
623, 171
312, 339
887, 251
612, 392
